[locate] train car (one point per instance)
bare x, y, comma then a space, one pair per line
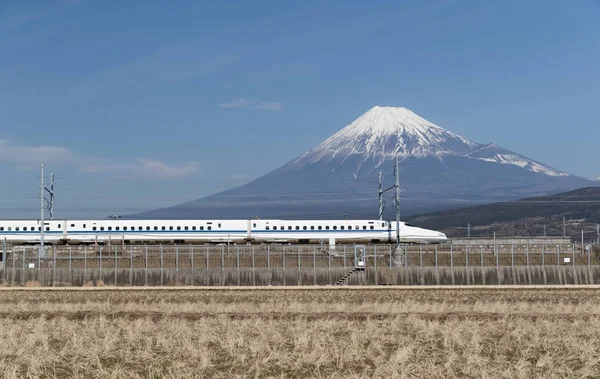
214, 231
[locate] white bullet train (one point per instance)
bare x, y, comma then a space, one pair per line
214, 231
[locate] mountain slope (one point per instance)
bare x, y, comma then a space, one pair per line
579, 208
439, 169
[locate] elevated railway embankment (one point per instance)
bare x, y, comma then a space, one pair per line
293, 265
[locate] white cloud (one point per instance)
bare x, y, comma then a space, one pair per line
252, 104
24, 155
237, 103
147, 168
269, 105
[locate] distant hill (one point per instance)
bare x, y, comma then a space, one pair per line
439, 169
526, 217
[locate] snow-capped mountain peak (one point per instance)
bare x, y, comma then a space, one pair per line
384, 133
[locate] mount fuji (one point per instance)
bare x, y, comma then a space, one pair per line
438, 169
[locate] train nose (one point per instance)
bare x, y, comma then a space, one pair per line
442, 237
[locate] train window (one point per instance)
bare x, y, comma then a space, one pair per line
94, 228
383, 224
209, 227
132, 228
304, 227
356, 227
320, 227
372, 227
9, 228
193, 228
72, 225
289, 228
84, 226
297, 227
282, 227
17, 228
117, 228
274, 228
140, 228
110, 228
186, 228
219, 225
254, 225
58, 226
312, 228
326, 227
349, 227
156, 228
1, 228
102, 228
342, 227
179, 228
124, 228
163, 228
364, 227
202, 228
170, 228
267, 227
335, 227
47, 228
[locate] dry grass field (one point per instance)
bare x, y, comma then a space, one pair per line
300, 333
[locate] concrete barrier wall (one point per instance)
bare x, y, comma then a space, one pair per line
533, 275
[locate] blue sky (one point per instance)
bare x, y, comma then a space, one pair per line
143, 104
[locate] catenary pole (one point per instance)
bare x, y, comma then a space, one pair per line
42, 189
397, 173
380, 195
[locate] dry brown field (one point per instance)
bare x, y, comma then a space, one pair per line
300, 333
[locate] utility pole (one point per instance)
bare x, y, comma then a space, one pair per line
397, 173
42, 209
597, 234
468, 230
380, 196
564, 227
544, 230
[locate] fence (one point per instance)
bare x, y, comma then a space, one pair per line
286, 264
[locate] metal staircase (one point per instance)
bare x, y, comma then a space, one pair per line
345, 278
